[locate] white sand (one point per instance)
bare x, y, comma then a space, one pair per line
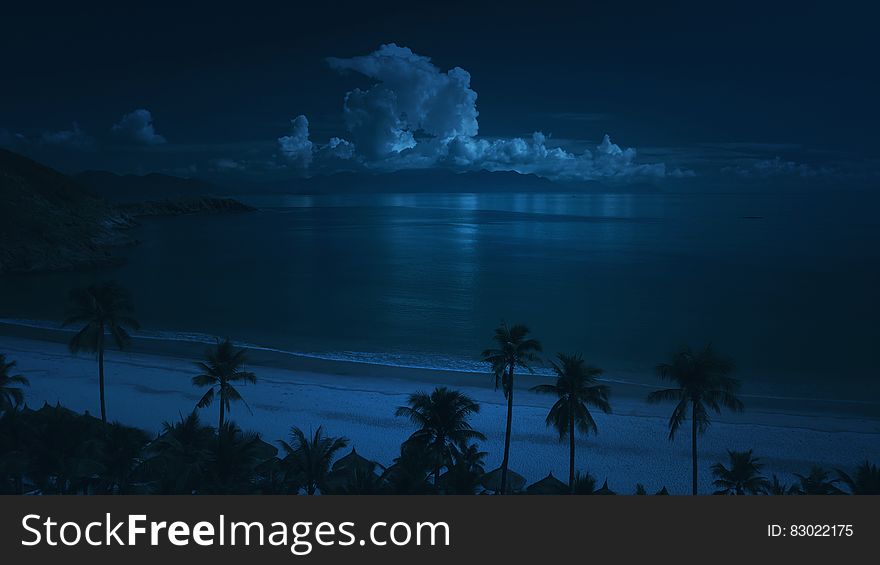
146, 389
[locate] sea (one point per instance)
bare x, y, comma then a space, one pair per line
784, 284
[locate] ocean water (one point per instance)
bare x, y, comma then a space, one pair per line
787, 285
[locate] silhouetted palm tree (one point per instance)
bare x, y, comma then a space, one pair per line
743, 476
177, 461
866, 481
584, 483
515, 349
221, 369
11, 393
778, 488
704, 383
309, 459
120, 455
409, 472
237, 455
102, 308
444, 430
467, 469
576, 390
817, 482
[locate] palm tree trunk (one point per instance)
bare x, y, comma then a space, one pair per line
222, 411
101, 372
506, 459
694, 446
571, 452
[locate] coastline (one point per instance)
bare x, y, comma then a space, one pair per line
151, 384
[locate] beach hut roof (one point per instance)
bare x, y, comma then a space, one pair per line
265, 450
548, 485
605, 489
492, 480
353, 461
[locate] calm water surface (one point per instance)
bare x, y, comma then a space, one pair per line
787, 285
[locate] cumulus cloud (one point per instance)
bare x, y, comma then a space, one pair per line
74, 138
224, 164
340, 148
296, 147
416, 115
411, 95
137, 127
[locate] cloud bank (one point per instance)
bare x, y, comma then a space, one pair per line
137, 127
74, 138
416, 115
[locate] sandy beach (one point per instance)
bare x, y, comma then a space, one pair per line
151, 384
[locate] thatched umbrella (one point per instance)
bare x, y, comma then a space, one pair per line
263, 450
354, 461
548, 485
662, 492
604, 490
492, 481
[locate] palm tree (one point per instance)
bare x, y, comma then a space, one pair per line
704, 383
576, 390
515, 349
121, 450
444, 430
866, 481
743, 476
308, 460
776, 487
100, 309
817, 482
464, 475
11, 396
178, 460
221, 369
237, 456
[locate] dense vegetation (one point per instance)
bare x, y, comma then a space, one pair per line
54, 450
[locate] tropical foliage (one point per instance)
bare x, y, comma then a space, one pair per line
703, 383
514, 349
576, 390
99, 310
54, 450
221, 370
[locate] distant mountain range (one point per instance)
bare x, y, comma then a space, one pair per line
434, 181
50, 221
126, 189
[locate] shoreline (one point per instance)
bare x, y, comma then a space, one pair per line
151, 384
633, 387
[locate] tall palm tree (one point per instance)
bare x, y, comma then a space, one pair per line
308, 459
742, 477
100, 309
704, 382
576, 390
11, 393
515, 349
221, 369
444, 430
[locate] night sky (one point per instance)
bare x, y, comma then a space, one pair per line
740, 92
